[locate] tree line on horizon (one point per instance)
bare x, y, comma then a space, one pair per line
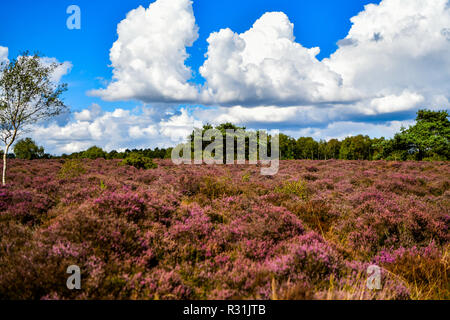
427, 139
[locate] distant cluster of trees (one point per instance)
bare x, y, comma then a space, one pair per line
428, 139
27, 149
352, 148
96, 152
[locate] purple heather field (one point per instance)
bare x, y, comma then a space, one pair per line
225, 232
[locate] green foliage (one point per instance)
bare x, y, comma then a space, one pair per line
222, 130
139, 161
332, 149
287, 147
306, 148
297, 187
213, 187
28, 150
71, 169
356, 148
246, 177
114, 154
26, 85
93, 153
428, 139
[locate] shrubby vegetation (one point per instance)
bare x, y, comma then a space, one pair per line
139, 161
93, 153
223, 232
71, 169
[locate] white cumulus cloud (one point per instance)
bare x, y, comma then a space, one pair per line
265, 65
342, 129
397, 52
392, 103
63, 68
148, 56
3, 54
118, 129
178, 127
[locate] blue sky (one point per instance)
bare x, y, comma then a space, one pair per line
41, 25
339, 97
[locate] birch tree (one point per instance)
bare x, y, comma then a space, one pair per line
28, 94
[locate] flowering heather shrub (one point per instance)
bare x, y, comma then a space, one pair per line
25, 206
379, 221
426, 267
127, 205
310, 256
223, 232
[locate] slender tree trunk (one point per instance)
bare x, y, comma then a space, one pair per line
5, 154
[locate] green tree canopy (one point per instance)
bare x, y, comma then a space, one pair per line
428, 138
306, 148
27, 149
139, 161
93, 153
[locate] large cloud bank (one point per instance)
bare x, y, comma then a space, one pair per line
148, 57
395, 57
394, 60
